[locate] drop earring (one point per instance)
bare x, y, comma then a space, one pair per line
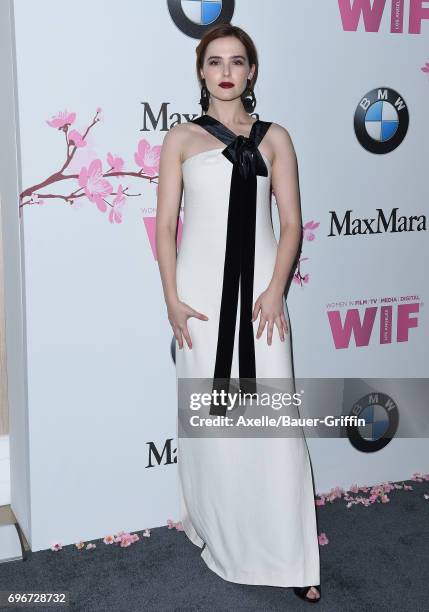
248, 98
205, 96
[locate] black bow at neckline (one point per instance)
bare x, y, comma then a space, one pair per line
241, 150
244, 152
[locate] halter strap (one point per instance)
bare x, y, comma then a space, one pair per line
240, 150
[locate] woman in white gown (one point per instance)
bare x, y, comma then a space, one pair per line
248, 502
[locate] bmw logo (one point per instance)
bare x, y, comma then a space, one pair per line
193, 17
381, 120
381, 416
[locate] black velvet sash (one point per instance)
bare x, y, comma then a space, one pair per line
248, 163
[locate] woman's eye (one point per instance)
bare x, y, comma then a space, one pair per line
213, 62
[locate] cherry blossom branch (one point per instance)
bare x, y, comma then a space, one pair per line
57, 177
93, 182
74, 195
74, 147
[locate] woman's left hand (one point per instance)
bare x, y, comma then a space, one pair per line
270, 306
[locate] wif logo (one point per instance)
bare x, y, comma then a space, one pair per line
382, 321
370, 14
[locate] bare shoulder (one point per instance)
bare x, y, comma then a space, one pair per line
175, 135
280, 141
177, 138
172, 145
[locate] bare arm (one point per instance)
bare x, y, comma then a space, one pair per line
169, 198
168, 208
285, 185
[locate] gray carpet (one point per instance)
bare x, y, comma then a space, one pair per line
377, 558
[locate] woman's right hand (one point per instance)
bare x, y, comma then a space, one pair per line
178, 314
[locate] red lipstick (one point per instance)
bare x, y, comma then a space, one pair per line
226, 84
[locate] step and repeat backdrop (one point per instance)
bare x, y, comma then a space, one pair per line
95, 87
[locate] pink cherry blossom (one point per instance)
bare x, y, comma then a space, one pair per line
425, 68
76, 138
308, 234
62, 120
109, 539
116, 163
146, 533
94, 184
323, 539
115, 214
311, 225
172, 525
147, 157
90, 546
56, 546
36, 200
126, 539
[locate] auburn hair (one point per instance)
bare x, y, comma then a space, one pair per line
219, 31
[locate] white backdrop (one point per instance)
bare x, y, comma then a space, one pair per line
100, 376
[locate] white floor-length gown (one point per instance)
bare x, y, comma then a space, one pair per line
247, 502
